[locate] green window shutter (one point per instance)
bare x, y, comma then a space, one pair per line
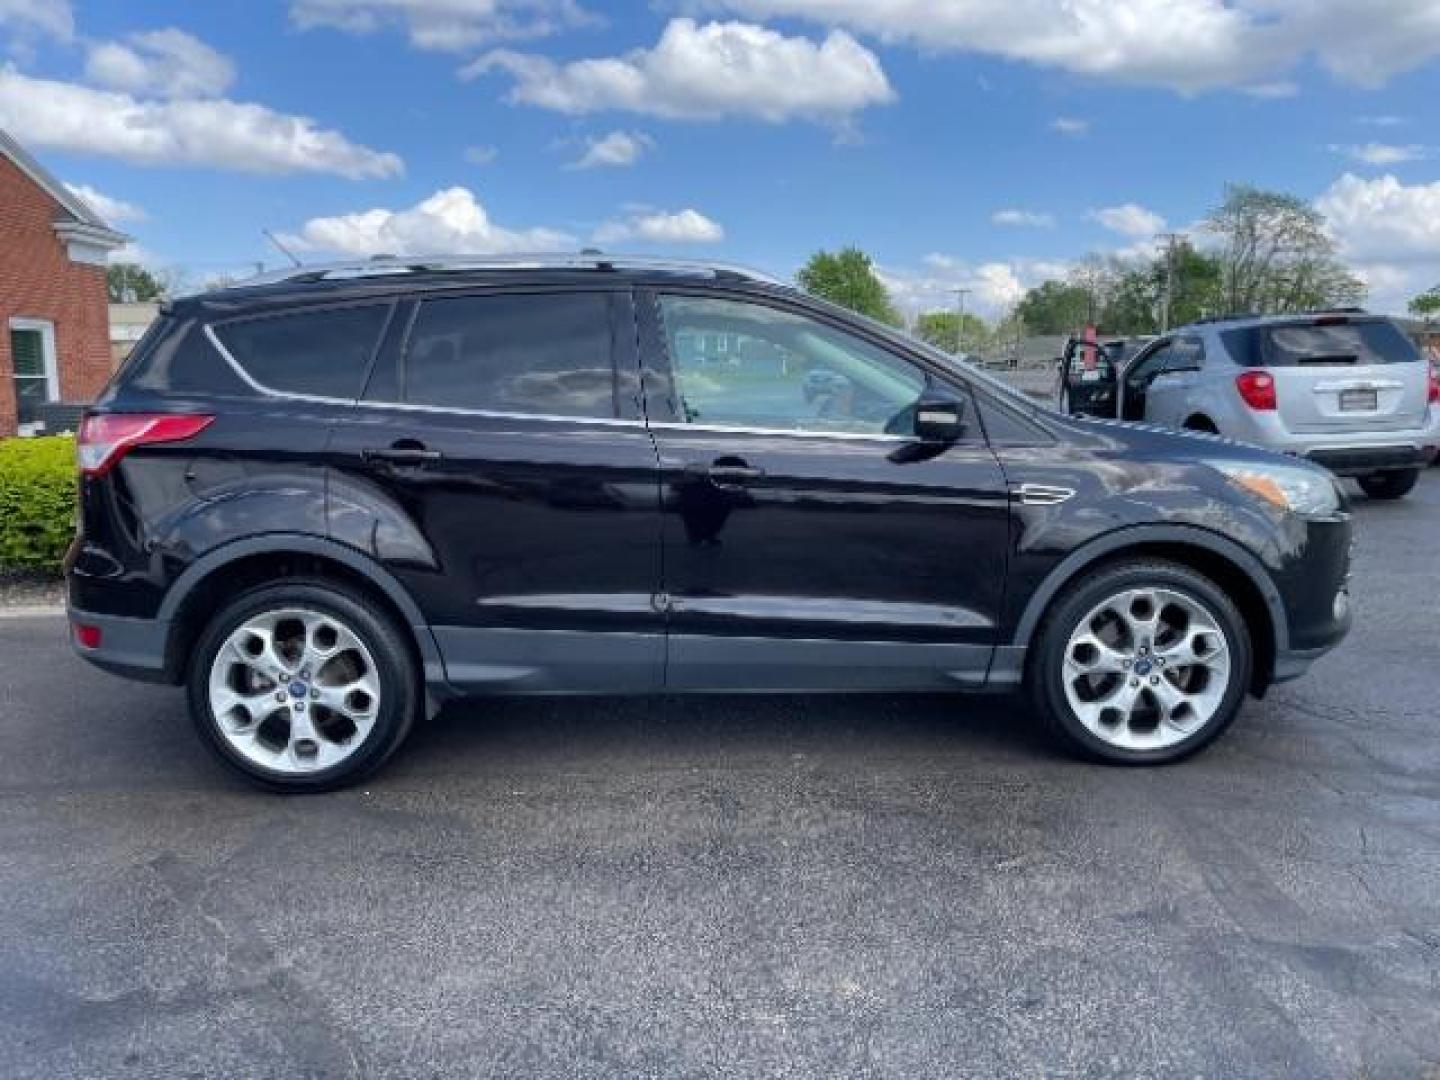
27, 353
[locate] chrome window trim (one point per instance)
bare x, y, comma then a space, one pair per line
449, 410
490, 414
794, 433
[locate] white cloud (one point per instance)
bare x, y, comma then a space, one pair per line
481, 155
1129, 219
617, 150
113, 211
1389, 231
1070, 126
165, 63
52, 17
1382, 121
1187, 45
1381, 154
1380, 219
661, 227
705, 73
450, 221
993, 287
444, 25
1023, 219
215, 133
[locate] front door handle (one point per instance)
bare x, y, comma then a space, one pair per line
404, 452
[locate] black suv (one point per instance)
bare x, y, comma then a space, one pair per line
328, 500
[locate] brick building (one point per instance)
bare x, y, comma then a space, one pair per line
54, 324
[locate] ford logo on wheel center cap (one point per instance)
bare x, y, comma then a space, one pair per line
297, 689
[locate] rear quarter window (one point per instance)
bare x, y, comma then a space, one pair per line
1318, 344
322, 353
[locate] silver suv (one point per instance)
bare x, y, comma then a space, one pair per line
1346, 389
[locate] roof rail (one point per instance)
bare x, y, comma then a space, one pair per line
1242, 315
394, 265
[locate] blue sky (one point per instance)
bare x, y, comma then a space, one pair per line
976, 143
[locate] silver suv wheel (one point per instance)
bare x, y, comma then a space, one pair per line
294, 691
1147, 668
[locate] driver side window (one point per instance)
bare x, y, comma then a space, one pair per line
745, 365
1149, 365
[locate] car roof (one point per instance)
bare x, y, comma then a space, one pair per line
1235, 322
388, 274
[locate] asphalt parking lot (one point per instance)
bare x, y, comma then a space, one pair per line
747, 887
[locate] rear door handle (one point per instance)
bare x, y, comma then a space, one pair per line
402, 455
735, 474
723, 473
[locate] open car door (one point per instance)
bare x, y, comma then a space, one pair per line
1088, 378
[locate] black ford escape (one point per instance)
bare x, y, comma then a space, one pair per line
328, 500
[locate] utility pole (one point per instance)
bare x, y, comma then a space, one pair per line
1170, 240
960, 295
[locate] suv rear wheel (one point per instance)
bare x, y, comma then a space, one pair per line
1389, 485
1143, 663
302, 686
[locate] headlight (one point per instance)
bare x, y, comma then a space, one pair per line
1298, 490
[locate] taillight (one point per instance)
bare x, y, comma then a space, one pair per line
106, 438
1258, 390
1434, 385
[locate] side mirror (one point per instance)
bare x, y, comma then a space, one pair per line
939, 420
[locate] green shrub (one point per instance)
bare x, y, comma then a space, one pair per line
37, 502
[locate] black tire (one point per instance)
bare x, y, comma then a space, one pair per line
1389, 485
1045, 674
400, 692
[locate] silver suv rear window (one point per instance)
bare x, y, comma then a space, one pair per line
1338, 343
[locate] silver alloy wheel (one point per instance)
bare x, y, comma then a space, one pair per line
294, 691
1147, 668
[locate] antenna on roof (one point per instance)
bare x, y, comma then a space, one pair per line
283, 249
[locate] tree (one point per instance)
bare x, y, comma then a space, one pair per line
1276, 256
848, 278
1137, 301
132, 283
1055, 307
939, 329
1426, 305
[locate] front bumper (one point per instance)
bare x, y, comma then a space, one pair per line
1315, 589
133, 648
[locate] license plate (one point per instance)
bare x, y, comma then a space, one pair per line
1358, 401
1092, 375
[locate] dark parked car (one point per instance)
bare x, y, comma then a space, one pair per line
330, 500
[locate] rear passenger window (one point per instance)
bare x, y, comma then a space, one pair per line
323, 353
546, 354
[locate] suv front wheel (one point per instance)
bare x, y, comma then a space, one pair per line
1142, 663
302, 686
